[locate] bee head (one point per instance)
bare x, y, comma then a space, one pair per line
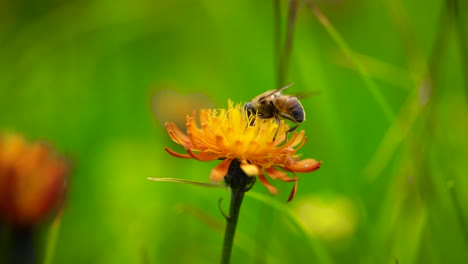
248, 106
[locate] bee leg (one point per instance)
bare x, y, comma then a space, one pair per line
249, 115
291, 130
277, 129
252, 121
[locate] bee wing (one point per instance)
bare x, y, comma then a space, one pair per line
266, 95
281, 89
306, 94
171, 106
300, 94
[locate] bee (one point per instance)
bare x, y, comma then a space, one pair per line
275, 104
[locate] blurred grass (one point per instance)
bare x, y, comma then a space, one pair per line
81, 74
51, 239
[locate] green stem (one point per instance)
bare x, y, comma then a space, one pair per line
460, 31
277, 36
288, 44
372, 87
52, 238
236, 201
239, 183
21, 245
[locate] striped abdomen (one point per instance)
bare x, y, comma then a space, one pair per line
290, 108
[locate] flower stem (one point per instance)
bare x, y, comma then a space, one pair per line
236, 201
21, 245
239, 183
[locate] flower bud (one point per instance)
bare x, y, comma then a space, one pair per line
32, 180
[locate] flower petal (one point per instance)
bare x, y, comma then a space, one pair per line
175, 154
276, 174
218, 172
177, 135
304, 140
265, 183
307, 165
299, 138
293, 192
249, 169
203, 156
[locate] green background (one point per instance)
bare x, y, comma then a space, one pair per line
82, 74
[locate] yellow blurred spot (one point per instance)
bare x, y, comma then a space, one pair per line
332, 218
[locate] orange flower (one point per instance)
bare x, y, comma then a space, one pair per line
230, 134
32, 180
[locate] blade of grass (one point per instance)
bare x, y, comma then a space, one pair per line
396, 134
277, 35
402, 216
379, 69
462, 40
242, 240
52, 238
288, 44
430, 74
196, 183
373, 89
411, 110
412, 47
319, 251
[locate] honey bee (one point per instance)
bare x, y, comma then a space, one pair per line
275, 104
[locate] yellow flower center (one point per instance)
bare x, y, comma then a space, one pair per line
232, 133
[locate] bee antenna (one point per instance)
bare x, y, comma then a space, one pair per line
285, 87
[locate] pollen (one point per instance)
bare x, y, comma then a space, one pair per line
261, 145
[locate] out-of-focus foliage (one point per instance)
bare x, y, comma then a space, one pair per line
81, 74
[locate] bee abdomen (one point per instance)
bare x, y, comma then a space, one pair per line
298, 114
